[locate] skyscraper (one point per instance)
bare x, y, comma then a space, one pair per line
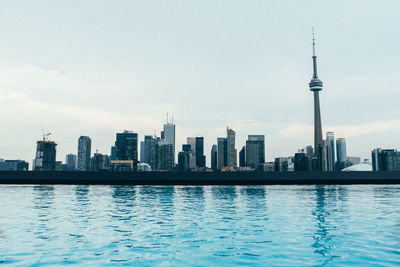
197, 146
316, 86
126, 147
330, 137
168, 135
230, 149
341, 153
255, 151
84, 152
221, 152
146, 150
166, 159
325, 156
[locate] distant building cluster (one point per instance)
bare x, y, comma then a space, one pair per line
157, 153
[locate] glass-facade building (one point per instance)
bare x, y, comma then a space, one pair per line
84, 153
255, 151
126, 147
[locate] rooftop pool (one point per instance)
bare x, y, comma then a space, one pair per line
287, 225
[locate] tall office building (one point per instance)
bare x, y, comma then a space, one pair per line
341, 153
70, 161
45, 159
147, 149
166, 159
316, 86
221, 152
255, 151
330, 137
197, 146
126, 147
230, 148
168, 134
84, 152
214, 156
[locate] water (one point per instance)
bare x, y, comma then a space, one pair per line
200, 225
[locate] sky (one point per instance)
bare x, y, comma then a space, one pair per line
99, 67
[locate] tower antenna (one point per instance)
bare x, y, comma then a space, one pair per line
313, 41
315, 75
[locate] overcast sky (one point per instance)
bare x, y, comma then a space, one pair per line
98, 67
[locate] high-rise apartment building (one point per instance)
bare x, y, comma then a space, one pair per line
84, 152
230, 148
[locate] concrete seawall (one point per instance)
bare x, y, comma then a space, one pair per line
199, 178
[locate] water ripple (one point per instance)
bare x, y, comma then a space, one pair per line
200, 225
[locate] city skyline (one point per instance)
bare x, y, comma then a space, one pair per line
58, 82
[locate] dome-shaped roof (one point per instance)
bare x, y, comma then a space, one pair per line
363, 166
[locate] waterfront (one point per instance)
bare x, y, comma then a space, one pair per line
200, 225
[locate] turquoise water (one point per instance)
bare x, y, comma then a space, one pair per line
200, 225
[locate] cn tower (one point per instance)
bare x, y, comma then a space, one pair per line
316, 86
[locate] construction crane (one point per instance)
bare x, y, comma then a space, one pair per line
46, 136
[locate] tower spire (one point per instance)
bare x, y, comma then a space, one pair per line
315, 75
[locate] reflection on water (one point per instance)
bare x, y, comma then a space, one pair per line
321, 235
81, 193
200, 225
255, 200
43, 197
43, 203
